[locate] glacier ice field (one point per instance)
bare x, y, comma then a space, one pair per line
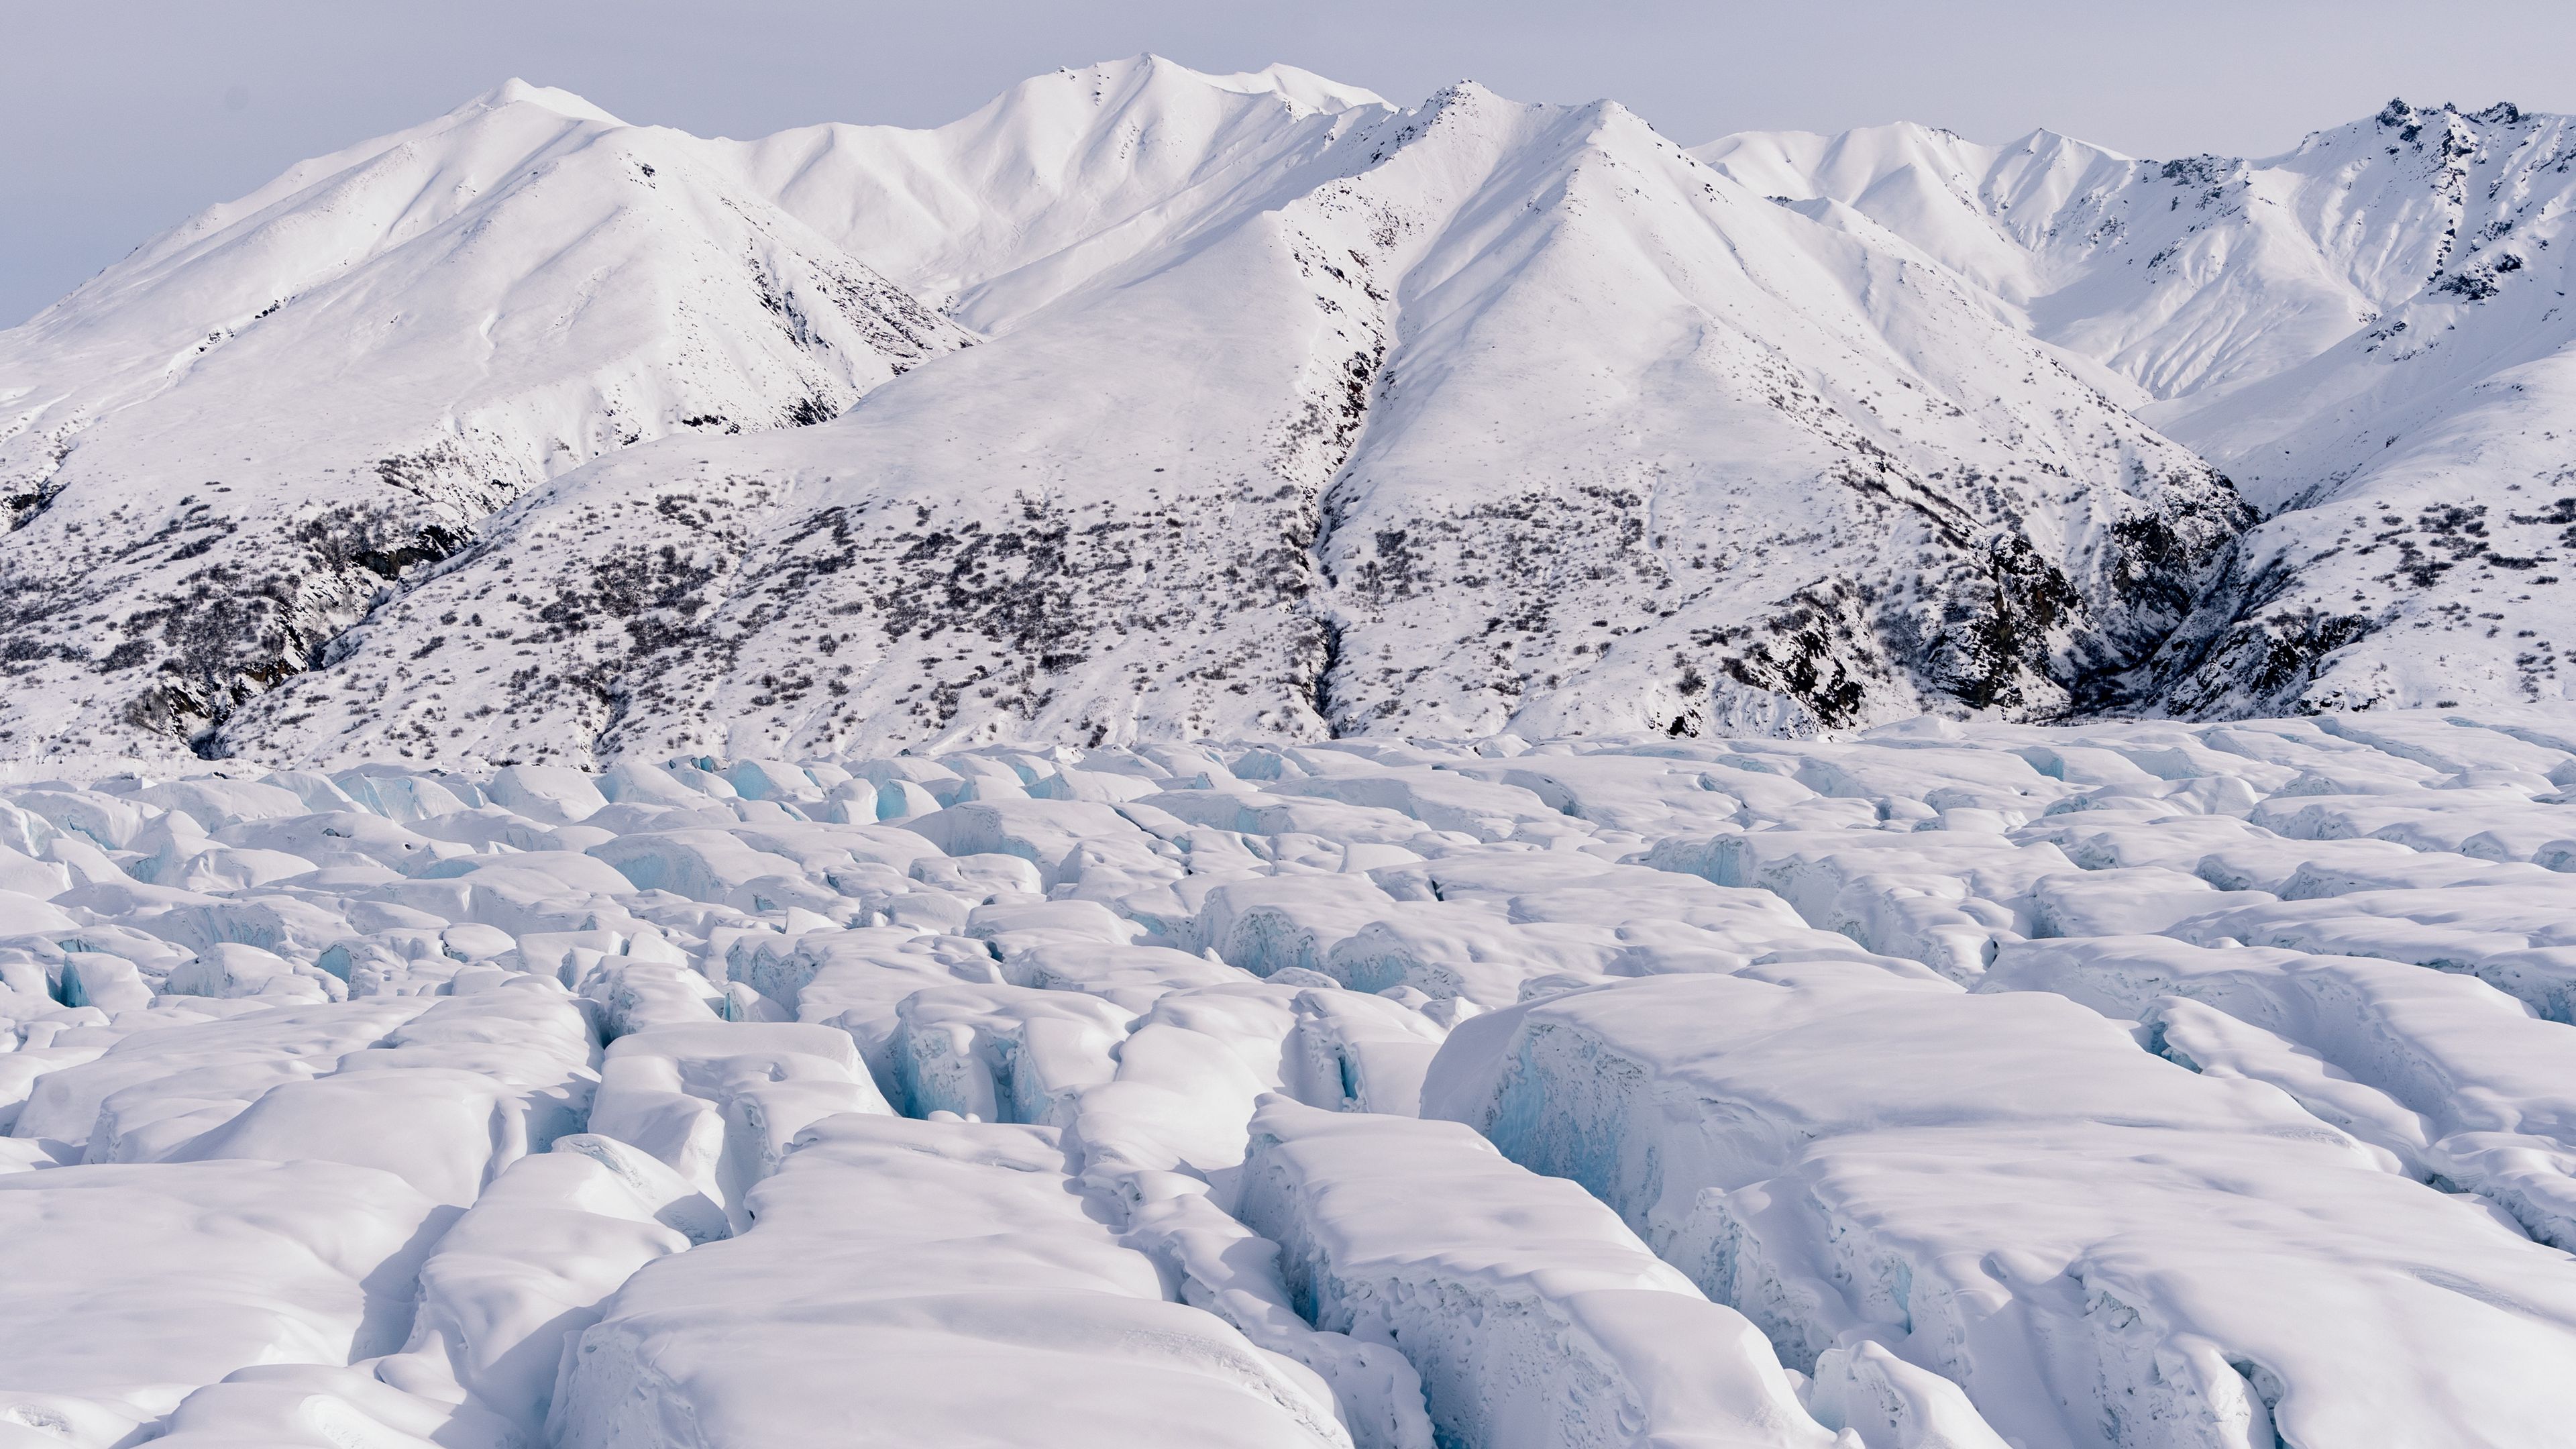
1946, 1086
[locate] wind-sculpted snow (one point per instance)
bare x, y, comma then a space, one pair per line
1942, 1087
2099, 1248
922, 1282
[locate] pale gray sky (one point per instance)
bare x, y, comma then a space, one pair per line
119, 118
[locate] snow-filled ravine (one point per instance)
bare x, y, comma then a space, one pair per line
2155, 1085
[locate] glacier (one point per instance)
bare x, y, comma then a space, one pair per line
1939, 1086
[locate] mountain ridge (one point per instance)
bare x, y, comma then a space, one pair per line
1823, 432
1365, 570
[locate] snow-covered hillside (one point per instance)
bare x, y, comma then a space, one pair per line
218, 454
2140, 1086
1291, 412
2369, 335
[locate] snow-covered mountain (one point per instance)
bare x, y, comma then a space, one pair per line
1147, 404
1295, 412
218, 453
2369, 335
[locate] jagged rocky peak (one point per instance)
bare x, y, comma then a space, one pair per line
2398, 114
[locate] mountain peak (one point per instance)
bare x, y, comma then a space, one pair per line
2398, 112
2043, 141
1459, 98
517, 92
1300, 87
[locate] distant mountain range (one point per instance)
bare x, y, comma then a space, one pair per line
1144, 403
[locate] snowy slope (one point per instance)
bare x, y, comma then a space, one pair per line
1471, 417
2367, 334
217, 452
395, 340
